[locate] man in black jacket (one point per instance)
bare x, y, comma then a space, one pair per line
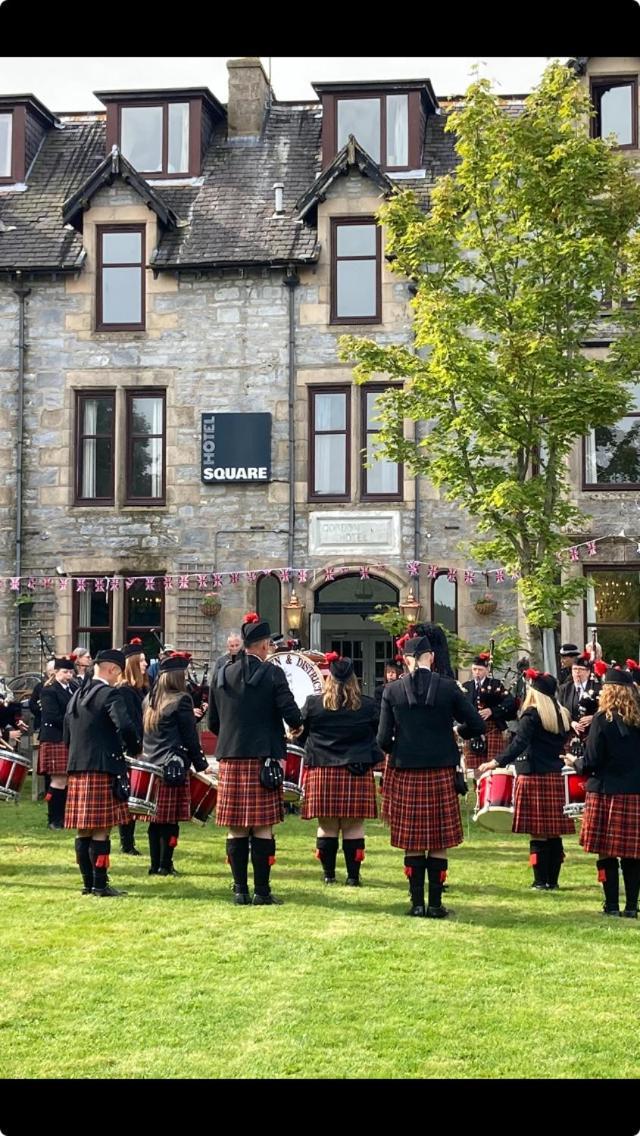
97, 729
416, 728
249, 701
495, 706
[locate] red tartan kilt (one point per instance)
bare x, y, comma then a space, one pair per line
53, 757
497, 741
611, 824
242, 801
538, 804
423, 809
331, 791
174, 805
91, 803
387, 778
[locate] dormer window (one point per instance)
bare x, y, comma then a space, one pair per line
381, 126
6, 136
615, 99
155, 139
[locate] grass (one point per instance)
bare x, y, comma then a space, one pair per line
184, 984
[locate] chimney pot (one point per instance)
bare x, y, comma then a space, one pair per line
279, 196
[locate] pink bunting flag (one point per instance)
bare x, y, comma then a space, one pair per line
302, 575
81, 584
413, 567
285, 575
201, 578
47, 581
129, 582
432, 571
469, 576
15, 584
217, 579
591, 548
573, 553
63, 583
251, 577
98, 584
31, 583
329, 574
452, 575
114, 583
149, 583
364, 572
515, 575
183, 583
500, 575
168, 583
234, 577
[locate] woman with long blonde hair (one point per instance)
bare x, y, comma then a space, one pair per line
611, 819
339, 734
134, 685
537, 748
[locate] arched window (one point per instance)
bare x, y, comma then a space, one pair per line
444, 601
268, 602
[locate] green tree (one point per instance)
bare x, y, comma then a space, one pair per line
534, 224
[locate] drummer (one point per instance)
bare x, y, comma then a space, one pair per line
495, 706
611, 819
339, 729
134, 685
249, 701
539, 793
53, 754
170, 741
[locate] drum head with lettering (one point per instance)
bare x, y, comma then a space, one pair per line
303, 676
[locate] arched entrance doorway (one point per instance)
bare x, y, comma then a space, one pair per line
343, 607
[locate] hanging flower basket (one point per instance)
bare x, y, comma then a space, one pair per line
211, 605
486, 605
24, 602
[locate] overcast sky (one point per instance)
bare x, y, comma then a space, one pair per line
66, 83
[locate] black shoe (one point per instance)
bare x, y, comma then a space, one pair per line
130, 851
330, 880
552, 887
56, 827
610, 910
266, 901
167, 871
87, 891
153, 871
417, 910
629, 914
539, 887
437, 913
242, 898
352, 883
107, 892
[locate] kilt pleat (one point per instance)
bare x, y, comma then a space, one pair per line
496, 741
331, 791
423, 809
242, 800
538, 804
387, 778
174, 805
53, 757
611, 824
91, 803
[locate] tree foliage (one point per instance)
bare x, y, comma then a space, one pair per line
535, 224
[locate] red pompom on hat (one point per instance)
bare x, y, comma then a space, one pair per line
73, 658
135, 641
600, 667
254, 629
531, 673
176, 661
484, 655
331, 657
632, 665
251, 617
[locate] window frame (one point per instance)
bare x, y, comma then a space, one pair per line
81, 396
101, 230
164, 104
619, 80
130, 630
260, 583
607, 486
344, 389
79, 630
144, 392
618, 566
10, 178
444, 572
375, 388
381, 96
334, 318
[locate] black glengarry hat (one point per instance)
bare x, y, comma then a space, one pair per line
254, 629
111, 655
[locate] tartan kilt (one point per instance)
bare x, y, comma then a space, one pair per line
387, 778
53, 757
538, 804
91, 803
242, 800
174, 805
496, 742
331, 791
611, 824
423, 809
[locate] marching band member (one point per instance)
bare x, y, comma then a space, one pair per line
134, 685
611, 819
170, 741
249, 701
580, 696
568, 652
339, 729
539, 792
495, 706
53, 754
416, 729
34, 701
98, 729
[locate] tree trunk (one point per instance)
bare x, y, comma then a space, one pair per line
533, 640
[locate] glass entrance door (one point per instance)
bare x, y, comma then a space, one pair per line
370, 653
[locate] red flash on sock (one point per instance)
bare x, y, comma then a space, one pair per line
272, 861
102, 861
602, 875
173, 840
47, 796
408, 872
533, 859
443, 877
318, 854
359, 857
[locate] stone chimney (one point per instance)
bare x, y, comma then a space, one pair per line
249, 94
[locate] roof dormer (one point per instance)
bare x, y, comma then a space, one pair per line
162, 134
387, 119
24, 121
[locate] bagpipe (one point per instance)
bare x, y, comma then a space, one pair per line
587, 706
198, 687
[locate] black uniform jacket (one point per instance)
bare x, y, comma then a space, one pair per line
534, 749
568, 696
134, 699
417, 718
97, 728
250, 699
175, 736
488, 697
339, 737
612, 757
54, 700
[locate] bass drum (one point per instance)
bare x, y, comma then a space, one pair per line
304, 678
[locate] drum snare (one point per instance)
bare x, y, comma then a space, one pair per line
495, 792
575, 792
293, 770
144, 779
203, 789
13, 771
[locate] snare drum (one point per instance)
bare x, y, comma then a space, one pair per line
575, 792
204, 795
145, 781
494, 799
13, 770
293, 790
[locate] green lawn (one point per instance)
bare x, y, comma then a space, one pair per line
184, 984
